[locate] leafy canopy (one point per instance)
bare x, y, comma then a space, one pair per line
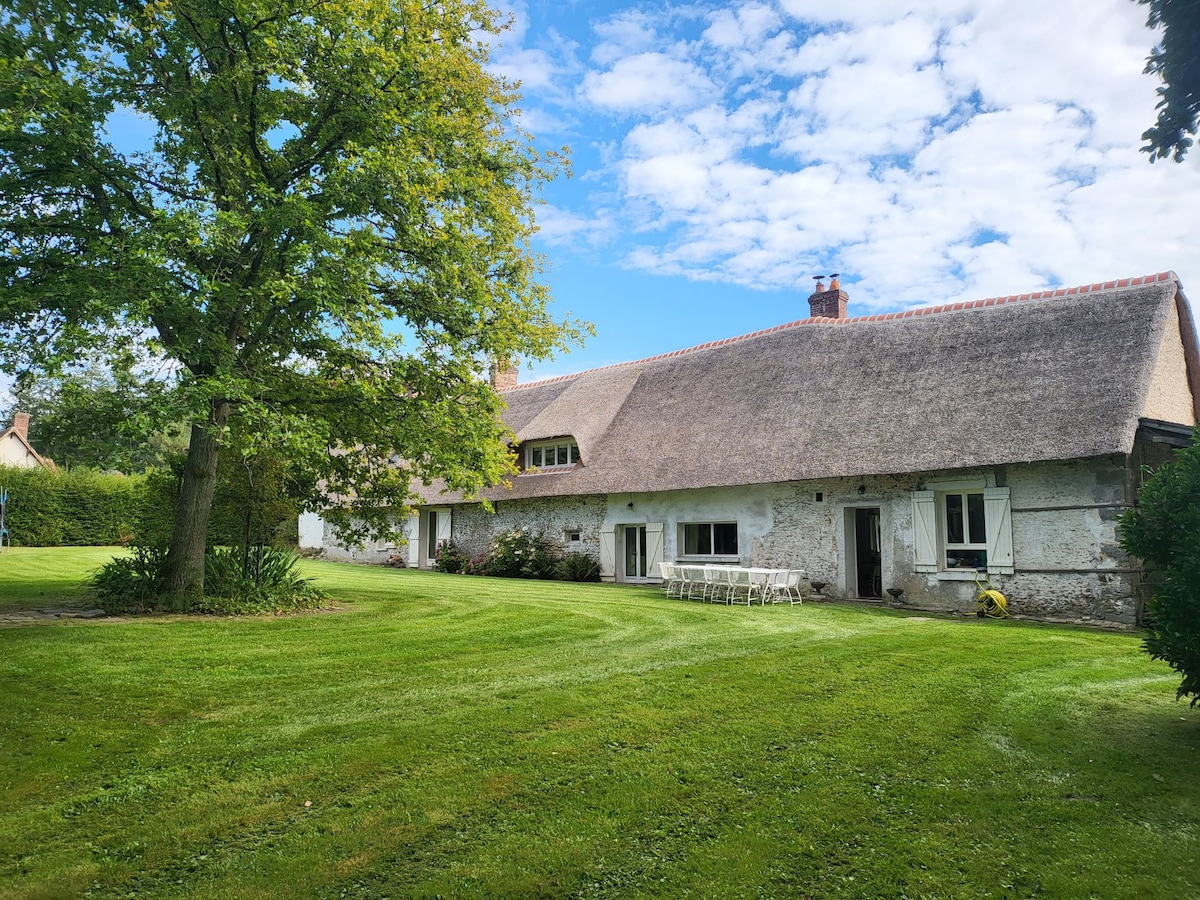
327, 236
1164, 531
101, 418
1177, 62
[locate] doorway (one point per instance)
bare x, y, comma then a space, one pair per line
868, 568
635, 552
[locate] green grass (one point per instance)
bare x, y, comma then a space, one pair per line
466, 737
31, 577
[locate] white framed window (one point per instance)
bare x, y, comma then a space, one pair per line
551, 454
965, 532
963, 527
709, 539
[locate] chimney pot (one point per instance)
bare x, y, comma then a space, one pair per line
831, 303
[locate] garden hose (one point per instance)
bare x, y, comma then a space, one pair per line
990, 603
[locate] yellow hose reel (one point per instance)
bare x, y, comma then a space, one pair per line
990, 603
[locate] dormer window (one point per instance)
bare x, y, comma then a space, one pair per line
551, 454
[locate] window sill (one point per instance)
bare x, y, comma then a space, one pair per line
711, 560
960, 574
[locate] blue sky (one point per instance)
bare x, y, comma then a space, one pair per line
724, 153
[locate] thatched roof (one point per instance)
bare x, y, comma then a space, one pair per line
1049, 376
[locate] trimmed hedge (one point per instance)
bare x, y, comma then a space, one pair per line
81, 507
75, 508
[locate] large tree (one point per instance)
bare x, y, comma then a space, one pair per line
327, 233
1176, 61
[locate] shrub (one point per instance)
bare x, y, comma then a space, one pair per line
450, 558
237, 580
253, 580
130, 584
522, 554
1163, 530
578, 567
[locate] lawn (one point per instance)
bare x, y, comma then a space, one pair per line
464, 737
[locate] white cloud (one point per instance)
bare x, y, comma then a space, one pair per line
646, 83
956, 148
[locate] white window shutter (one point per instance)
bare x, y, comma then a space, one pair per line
414, 541
654, 549
925, 544
608, 552
999, 531
444, 523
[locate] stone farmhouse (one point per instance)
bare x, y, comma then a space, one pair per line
919, 451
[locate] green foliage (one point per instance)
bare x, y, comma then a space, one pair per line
1164, 531
239, 580
522, 554
130, 584
327, 238
101, 418
77, 507
578, 567
450, 558
1176, 61
258, 579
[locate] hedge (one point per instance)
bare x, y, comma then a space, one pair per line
78, 507
82, 507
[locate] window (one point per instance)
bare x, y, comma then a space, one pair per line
965, 546
548, 454
710, 539
962, 527
572, 535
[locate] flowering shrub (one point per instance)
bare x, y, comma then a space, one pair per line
521, 554
450, 558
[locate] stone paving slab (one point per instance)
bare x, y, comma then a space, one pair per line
45, 614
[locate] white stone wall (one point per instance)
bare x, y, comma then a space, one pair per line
474, 527
1066, 551
370, 553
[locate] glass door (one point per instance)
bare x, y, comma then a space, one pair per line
635, 552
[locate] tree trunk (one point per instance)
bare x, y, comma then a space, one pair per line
184, 572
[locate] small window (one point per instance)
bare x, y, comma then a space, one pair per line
966, 530
710, 539
551, 454
572, 535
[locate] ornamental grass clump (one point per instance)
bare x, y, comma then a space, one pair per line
578, 567
238, 581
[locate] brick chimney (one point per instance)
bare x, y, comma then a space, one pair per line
503, 376
21, 425
828, 304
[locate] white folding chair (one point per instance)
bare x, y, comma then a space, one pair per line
671, 580
720, 584
740, 586
785, 584
694, 581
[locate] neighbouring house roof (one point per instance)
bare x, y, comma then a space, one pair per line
15, 449
1052, 375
